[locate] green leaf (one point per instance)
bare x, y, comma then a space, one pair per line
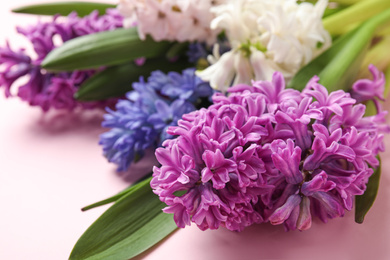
64, 8
356, 13
332, 11
117, 196
364, 202
103, 49
338, 66
131, 226
110, 199
346, 2
116, 81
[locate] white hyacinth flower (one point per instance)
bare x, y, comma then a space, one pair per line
265, 36
174, 20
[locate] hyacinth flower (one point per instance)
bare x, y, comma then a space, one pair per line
268, 154
140, 121
159, 19
45, 89
265, 36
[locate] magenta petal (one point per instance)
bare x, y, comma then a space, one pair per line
286, 159
318, 183
304, 219
282, 213
330, 204
206, 174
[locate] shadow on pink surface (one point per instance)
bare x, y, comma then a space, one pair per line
139, 169
62, 122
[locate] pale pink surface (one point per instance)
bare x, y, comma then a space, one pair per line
51, 166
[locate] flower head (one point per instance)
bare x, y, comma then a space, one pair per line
265, 36
140, 121
52, 90
266, 153
159, 19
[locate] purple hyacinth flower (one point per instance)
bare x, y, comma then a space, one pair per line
45, 89
267, 154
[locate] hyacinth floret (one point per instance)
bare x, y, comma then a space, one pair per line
268, 154
140, 121
366, 89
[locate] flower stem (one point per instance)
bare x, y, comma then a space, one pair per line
361, 11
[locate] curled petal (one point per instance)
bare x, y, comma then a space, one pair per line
283, 213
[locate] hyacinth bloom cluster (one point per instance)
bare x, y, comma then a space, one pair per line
52, 90
268, 154
140, 121
172, 20
265, 36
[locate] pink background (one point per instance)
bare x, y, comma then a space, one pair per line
51, 166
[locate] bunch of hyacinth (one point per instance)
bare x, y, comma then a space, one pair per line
140, 121
45, 89
269, 154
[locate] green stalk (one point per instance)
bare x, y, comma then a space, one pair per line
361, 11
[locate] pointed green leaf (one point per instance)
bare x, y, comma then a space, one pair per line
131, 226
117, 196
64, 8
116, 81
364, 202
103, 49
338, 66
110, 199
